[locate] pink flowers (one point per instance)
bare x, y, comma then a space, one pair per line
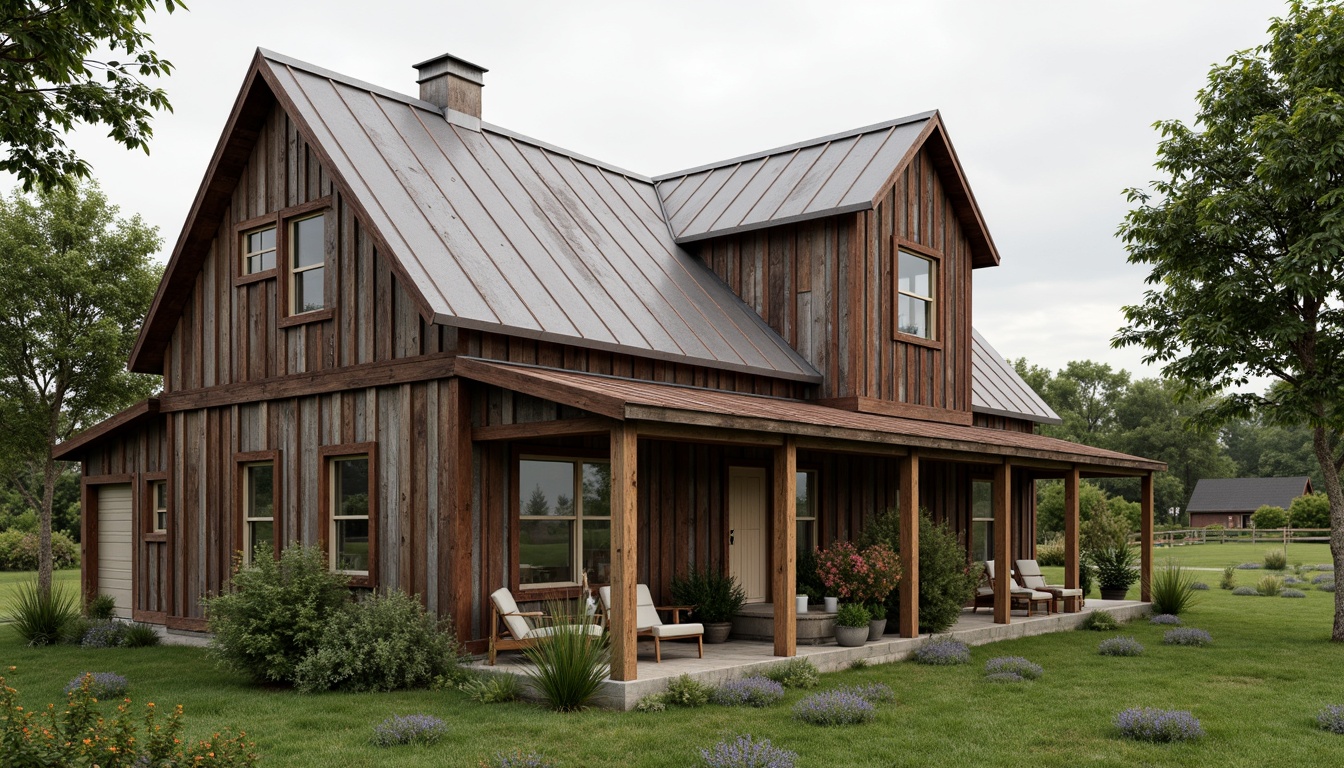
867, 576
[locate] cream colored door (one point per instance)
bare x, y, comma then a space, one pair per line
114, 545
747, 531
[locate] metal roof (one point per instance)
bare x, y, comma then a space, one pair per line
997, 389
1246, 494
623, 398
503, 233
821, 177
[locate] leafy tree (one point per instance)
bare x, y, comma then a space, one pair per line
1269, 516
75, 282
1107, 529
1244, 235
49, 82
1260, 449
1310, 511
1050, 505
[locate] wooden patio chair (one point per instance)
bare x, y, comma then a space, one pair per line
1019, 597
521, 628
649, 624
1030, 576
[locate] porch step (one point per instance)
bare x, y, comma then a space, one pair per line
756, 621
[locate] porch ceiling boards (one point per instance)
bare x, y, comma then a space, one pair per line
628, 399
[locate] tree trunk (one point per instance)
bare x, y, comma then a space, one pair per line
1333, 490
44, 558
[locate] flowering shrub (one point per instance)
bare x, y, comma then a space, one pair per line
867, 576
874, 693
519, 759
795, 673
1249, 567
1187, 636
1323, 578
1120, 646
101, 685
748, 692
835, 708
408, 729
943, 651
1332, 719
1244, 591
1016, 665
1160, 725
104, 634
743, 752
1292, 593
1165, 618
81, 733
1199, 586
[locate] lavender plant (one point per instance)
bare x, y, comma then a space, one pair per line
1244, 591
104, 634
102, 685
942, 651
519, 759
1158, 725
1292, 593
1249, 567
1332, 719
1016, 665
874, 693
748, 692
1165, 618
1187, 636
744, 752
835, 708
408, 729
1199, 586
1323, 578
1120, 646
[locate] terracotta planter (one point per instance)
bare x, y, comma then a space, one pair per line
717, 632
851, 637
1113, 594
876, 628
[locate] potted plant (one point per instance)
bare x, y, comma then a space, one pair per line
867, 576
714, 597
877, 625
1115, 571
851, 625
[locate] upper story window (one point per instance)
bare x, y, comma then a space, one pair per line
160, 497
259, 251
307, 264
916, 288
564, 521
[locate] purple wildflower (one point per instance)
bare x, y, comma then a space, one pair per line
1187, 636
1165, 618
408, 729
519, 759
743, 752
1159, 725
873, 693
1332, 719
102, 685
748, 692
943, 651
1004, 677
1024, 669
835, 708
1120, 646
104, 634
1199, 586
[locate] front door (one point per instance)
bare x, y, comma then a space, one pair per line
747, 531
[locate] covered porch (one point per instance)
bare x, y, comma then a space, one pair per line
631, 423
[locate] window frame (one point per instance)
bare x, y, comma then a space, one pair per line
935, 298
292, 271
282, 220
577, 459
241, 462
812, 479
244, 254
327, 456
148, 532
972, 545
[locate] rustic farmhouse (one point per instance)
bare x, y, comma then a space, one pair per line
460, 358
1230, 501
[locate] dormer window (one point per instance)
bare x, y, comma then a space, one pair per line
916, 287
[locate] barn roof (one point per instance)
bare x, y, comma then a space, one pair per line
1246, 494
997, 389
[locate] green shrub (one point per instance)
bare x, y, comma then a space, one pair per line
570, 663
1269, 516
382, 643
101, 608
1100, 621
1107, 528
686, 692
1115, 567
275, 614
1229, 579
1310, 511
805, 574
41, 618
945, 583
654, 702
852, 615
1051, 553
1269, 586
1172, 590
492, 689
715, 596
139, 635
19, 550
795, 673
1276, 560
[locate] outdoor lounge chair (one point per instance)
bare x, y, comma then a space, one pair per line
1029, 573
649, 624
520, 627
1017, 596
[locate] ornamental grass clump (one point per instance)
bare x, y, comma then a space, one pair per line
570, 663
101, 685
1269, 586
1276, 560
744, 752
1120, 646
1187, 636
409, 729
1100, 621
1165, 618
1171, 589
748, 692
1229, 579
519, 759
40, 618
832, 708
795, 673
137, 635
1332, 719
942, 651
1158, 725
1292, 593
1015, 665
492, 689
1244, 591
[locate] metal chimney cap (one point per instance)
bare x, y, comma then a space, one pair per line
448, 64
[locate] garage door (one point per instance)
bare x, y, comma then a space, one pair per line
114, 545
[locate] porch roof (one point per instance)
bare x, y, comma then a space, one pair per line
630, 399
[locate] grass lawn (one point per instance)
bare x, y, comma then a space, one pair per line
1216, 555
10, 581
1256, 690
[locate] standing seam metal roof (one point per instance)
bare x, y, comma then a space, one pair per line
997, 389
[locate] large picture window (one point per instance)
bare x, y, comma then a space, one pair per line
349, 499
982, 521
307, 264
805, 508
258, 511
564, 527
916, 287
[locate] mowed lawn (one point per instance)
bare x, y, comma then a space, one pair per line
1214, 555
10, 581
1256, 690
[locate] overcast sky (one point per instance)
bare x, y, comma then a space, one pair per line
1050, 106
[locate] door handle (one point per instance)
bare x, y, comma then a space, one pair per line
730, 536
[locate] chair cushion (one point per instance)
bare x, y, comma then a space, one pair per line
677, 630
1040, 595
645, 614
1065, 591
505, 604
539, 632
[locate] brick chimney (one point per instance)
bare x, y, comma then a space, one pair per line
454, 85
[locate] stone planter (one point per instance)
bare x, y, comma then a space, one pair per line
718, 631
876, 628
851, 637
1113, 594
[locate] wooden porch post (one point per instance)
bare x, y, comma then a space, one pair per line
624, 550
454, 523
1003, 542
1146, 539
908, 506
786, 547
1071, 518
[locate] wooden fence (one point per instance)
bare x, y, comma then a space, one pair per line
1188, 536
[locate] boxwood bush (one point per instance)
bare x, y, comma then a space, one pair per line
945, 583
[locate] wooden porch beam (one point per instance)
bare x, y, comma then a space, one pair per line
558, 428
786, 547
1003, 542
1146, 539
831, 445
1071, 522
661, 431
624, 549
908, 506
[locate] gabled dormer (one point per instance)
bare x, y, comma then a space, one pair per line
858, 249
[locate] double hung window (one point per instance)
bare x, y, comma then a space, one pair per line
564, 525
916, 288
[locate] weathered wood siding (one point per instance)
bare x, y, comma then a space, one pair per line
1004, 422
827, 287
